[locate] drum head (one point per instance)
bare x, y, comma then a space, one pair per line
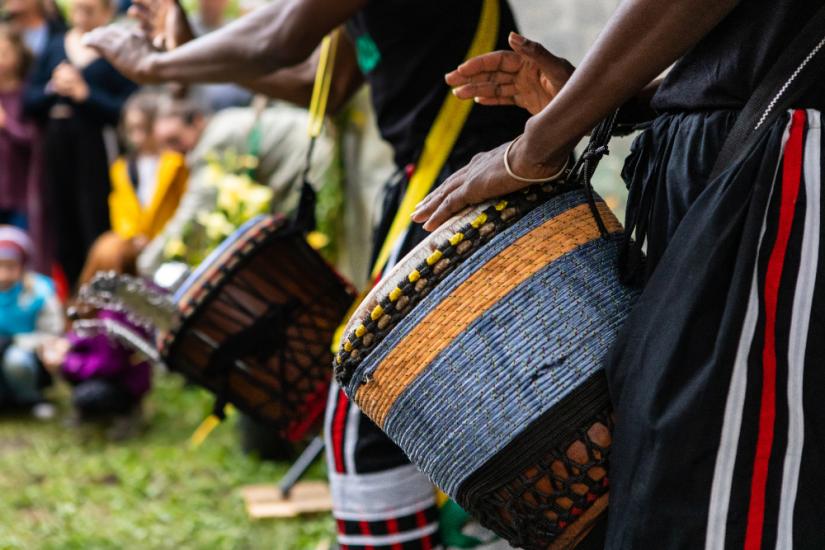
257, 320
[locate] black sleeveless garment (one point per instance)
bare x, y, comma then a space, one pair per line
405, 47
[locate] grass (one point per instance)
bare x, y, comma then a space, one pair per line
67, 488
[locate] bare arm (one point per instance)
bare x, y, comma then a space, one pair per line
641, 39
295, 83
278, 35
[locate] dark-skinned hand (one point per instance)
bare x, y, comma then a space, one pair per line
127, 49
529, 76
164, 22
484, 178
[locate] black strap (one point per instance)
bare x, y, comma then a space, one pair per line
304, 217
586, 165
797, 68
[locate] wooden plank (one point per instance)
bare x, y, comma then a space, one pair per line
266, 501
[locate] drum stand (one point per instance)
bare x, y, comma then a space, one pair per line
301, 465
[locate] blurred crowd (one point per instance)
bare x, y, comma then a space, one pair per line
97, 174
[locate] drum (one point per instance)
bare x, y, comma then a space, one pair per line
480, 354
255, 322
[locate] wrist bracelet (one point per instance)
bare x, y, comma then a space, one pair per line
516, 177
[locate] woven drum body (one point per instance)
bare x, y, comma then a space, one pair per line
481, 356
257, 318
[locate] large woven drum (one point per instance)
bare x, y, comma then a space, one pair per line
256, 320
481, 355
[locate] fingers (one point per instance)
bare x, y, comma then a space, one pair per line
549, 64
425, 208
447, 208
495, 101
493, 62
485, 90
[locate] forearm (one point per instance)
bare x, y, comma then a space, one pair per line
277, 35
640, 41
295, 84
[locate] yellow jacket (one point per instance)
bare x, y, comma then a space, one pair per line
128, 217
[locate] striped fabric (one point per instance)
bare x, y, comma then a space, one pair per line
759, 472
379, 500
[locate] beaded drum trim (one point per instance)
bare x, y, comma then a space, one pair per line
456, 249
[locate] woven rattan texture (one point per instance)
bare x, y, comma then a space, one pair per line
444, 259
258, 328
467, 303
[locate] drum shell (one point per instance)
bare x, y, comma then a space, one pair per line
496, 375
265, 275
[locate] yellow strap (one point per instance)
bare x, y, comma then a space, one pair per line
441, 138
207, 427
323, 83
437, 147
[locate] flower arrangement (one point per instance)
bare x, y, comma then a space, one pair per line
238, 199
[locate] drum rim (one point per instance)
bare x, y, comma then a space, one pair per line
192, 297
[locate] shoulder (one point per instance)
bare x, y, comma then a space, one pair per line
40, 285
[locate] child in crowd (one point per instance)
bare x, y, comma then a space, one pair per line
109, 380
30, 314
147, 183
16, 134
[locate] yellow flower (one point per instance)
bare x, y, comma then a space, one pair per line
317, 240
255, 199
174, 249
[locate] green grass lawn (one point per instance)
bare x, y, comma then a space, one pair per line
70, 488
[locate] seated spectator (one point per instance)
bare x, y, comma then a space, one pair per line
16, 133
147, 184
179, 124
30, 314
109, 381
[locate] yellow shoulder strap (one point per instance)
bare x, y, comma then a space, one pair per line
437, 147
441, 138
323, 83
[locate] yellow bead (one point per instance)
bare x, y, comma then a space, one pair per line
414, 276
501, 205
359, 332
347, 345
434, 257
338, 358
395, 294
457, 238
479, 221
376, 313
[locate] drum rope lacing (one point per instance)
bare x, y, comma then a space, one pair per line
586, 165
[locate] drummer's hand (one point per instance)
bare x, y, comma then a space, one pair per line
127, 49
482, 179
529, 76
163, 22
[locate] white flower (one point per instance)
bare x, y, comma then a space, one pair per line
217, 226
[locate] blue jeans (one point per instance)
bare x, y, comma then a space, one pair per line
19, 370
